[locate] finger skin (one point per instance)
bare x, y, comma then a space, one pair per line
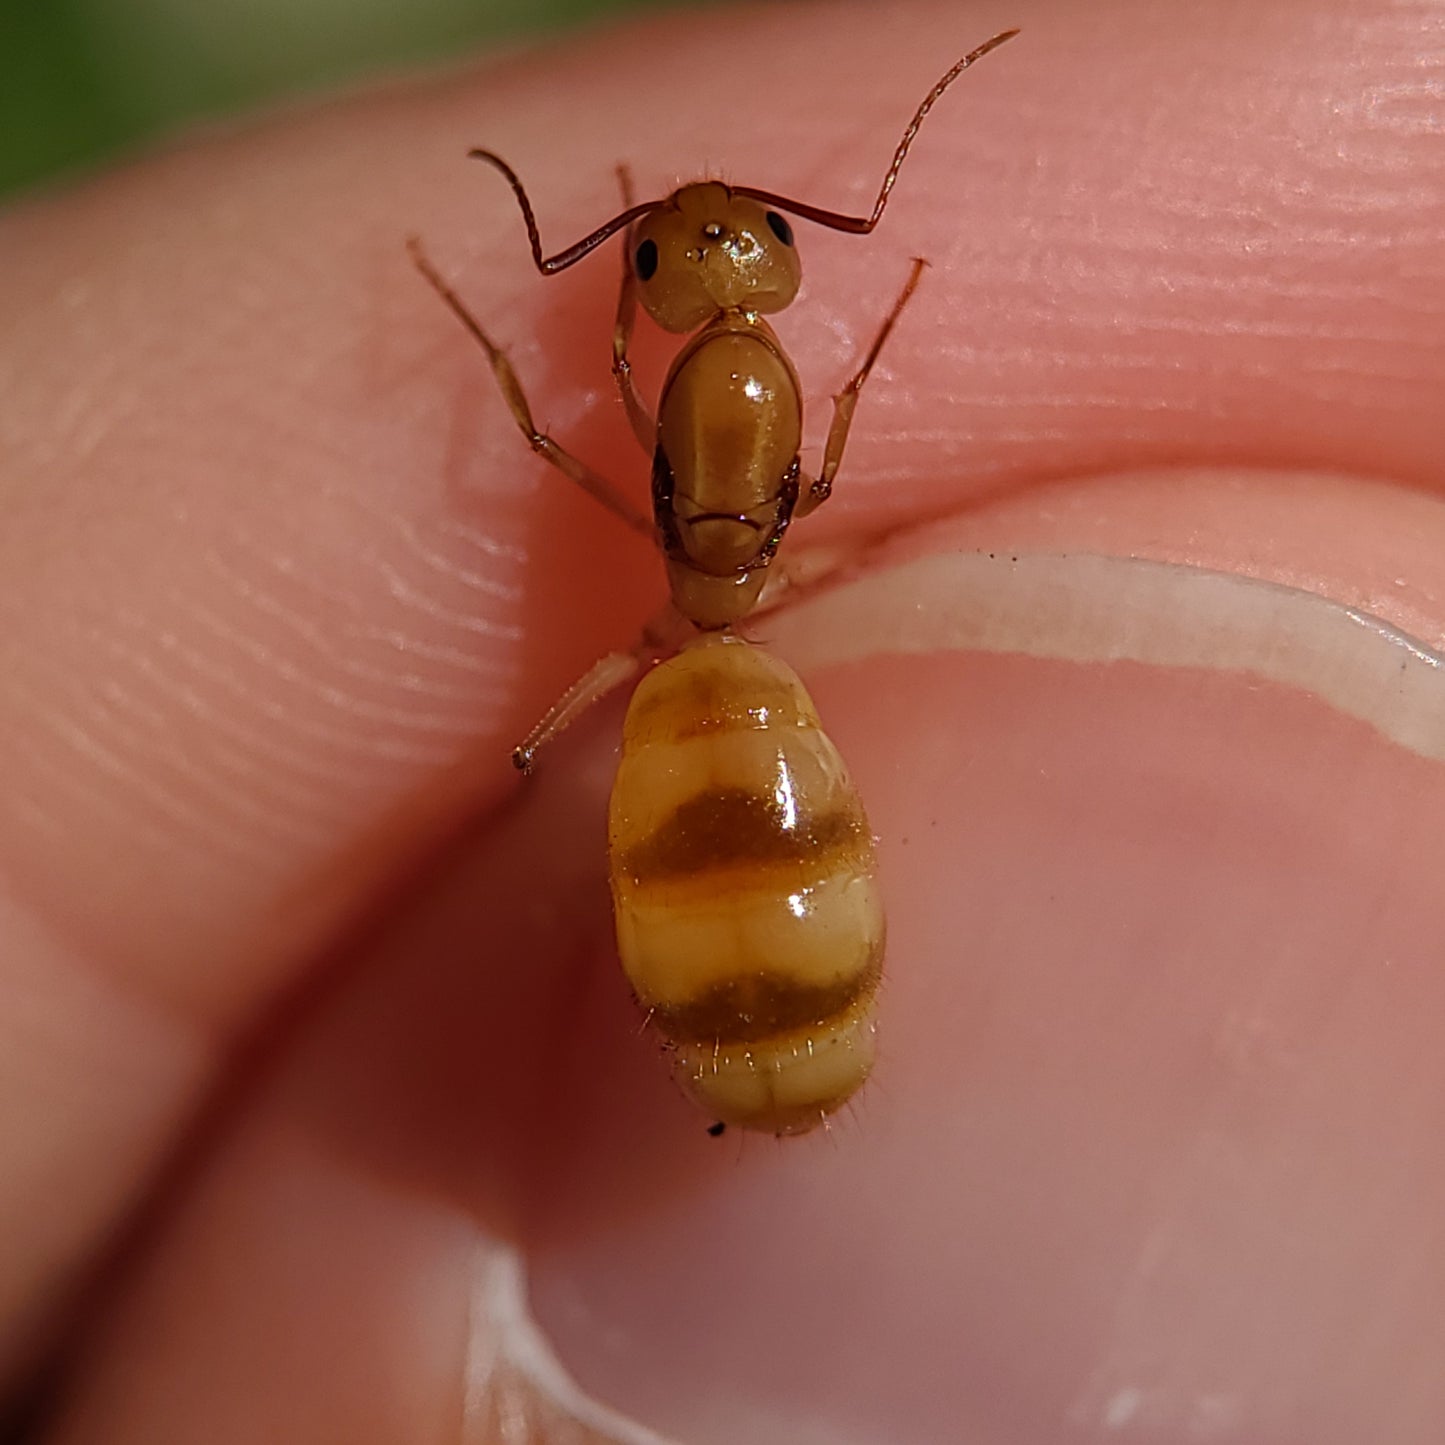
275, 559
295, 564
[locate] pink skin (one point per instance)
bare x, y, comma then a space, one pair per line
1155, 1147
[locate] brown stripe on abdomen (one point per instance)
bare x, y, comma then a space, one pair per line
785, 1085
763, 1005
732, 827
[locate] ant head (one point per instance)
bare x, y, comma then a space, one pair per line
708, 248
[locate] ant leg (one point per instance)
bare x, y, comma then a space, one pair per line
644, 424
847, 400
605, 675
661, 637
595, 485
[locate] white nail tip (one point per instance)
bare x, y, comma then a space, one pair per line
517, 1391
1086, 608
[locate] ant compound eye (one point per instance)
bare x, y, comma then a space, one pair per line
644, 260
780, 228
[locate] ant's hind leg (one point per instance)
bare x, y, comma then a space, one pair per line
644, 424
595, 485
661, 637
605, 676
846, 401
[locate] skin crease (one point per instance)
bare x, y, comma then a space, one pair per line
282, 588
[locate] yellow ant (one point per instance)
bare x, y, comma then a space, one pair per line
749, 921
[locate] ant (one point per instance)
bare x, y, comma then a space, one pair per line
749, 921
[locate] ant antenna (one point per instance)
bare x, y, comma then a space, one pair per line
550, 265
856, 225
862, 225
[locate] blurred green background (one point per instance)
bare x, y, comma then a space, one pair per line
81, 80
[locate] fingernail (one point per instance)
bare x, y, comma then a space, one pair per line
1157, 1086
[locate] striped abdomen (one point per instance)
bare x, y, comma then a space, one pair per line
748, 921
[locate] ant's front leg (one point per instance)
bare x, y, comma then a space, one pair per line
644, 424
593, 483
846, 402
